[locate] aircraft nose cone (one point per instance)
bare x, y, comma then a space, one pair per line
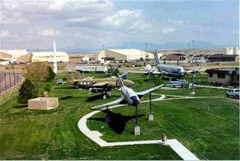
128, 83
135, 100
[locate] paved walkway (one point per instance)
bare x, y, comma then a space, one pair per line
181, 150
95, 136
196, 85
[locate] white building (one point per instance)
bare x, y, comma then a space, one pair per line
124, 54
198, 59
236, 50
15, 54
232, 51
48, 57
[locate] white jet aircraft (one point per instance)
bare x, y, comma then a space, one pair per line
128, 96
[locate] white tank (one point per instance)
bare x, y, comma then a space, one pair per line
236, 50
229, 51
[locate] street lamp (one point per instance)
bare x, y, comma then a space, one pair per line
146, 50
193, 92
103, 47
193, 46
193, 74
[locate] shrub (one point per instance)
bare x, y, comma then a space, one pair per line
48, 87
51, 74
27, 91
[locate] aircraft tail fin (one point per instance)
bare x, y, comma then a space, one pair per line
156, 59
77, 75
69, 78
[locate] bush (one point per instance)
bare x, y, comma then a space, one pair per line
51, 74
48, 87
27, 91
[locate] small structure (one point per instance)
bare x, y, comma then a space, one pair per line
124, 54
198, 59
223, 76
43, 103
232, 51
222, 57
175, 57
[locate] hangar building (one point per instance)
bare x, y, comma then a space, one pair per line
48, 57
12, 55
124, 54
25, 56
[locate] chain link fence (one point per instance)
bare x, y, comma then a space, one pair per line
9, 80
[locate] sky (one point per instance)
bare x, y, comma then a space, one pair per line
34, 24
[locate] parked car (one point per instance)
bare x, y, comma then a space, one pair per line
233, 93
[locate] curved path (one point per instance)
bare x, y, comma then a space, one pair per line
95, 136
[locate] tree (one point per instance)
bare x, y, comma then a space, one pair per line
27, 91
39, 72
51, 74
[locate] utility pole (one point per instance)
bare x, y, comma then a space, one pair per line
54, 58
146, 51
193, 46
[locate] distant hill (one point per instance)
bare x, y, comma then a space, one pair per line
142, 46
170, 45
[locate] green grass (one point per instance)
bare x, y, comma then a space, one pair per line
54, 134
210, 134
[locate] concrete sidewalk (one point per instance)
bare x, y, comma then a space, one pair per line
95, 136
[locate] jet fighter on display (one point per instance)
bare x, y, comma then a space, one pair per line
128, 96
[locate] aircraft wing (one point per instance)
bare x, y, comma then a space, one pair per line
109, 103
149, 90
144, 72
138, 71
100, 84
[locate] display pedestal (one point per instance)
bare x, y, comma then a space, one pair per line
137, 130
150, 117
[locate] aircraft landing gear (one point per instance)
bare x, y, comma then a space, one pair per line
106, 94
137, 127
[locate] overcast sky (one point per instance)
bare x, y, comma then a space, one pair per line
32, 24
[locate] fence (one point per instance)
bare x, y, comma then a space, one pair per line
9, 80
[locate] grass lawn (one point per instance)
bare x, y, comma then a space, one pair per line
210, 134
54, 134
